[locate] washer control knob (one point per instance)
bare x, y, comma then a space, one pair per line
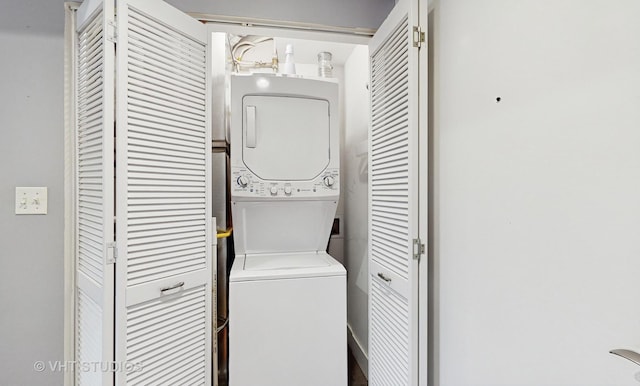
287, 190
243, 181
329, 181
274, 190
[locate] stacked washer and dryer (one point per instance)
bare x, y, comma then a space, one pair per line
287, 296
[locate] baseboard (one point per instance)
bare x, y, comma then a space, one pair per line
358, 352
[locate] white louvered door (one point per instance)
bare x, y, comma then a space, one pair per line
395, 215
94, 145
163, 226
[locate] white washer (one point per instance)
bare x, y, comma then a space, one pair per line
287, 296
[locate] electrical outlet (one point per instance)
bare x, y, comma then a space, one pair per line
31, 200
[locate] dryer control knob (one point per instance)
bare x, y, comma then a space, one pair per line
243, 181
329, 181
274, 190
287, 190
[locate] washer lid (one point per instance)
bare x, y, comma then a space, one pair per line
285, 266
285, 137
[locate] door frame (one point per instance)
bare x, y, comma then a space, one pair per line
424, 192
234, 25
69, 256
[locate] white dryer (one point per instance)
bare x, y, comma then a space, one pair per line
287, 296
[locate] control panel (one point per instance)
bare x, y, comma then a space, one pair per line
246, 184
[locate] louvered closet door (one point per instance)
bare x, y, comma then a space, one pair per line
94, 141
394, 212
163, 295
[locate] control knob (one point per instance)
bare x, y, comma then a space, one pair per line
287, 190
328, 181
242, 181
274, 190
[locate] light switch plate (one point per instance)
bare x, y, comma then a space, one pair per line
31, 200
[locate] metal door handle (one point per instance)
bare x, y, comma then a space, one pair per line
251, 126
627, 354
383, 277
171, 287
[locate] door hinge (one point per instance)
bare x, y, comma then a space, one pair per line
112, 253
418, 36
418, 249
112, 34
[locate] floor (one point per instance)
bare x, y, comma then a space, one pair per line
356, 376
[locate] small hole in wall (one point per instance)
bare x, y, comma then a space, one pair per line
498, 99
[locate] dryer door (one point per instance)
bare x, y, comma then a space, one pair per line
285, 137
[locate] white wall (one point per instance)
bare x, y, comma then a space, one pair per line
538, 196
355, 193
31, 154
